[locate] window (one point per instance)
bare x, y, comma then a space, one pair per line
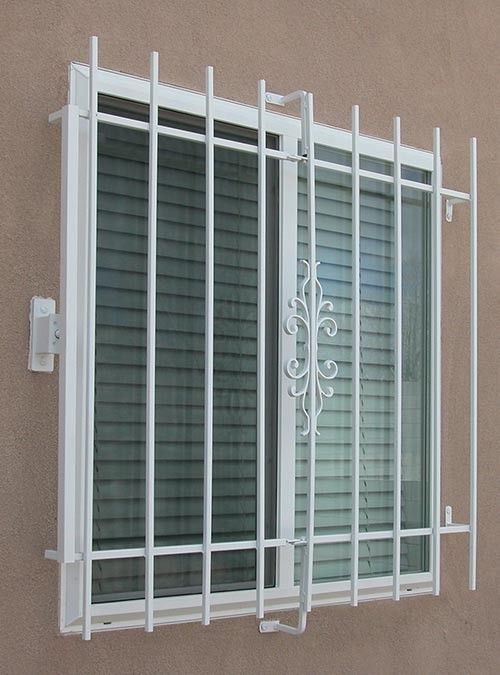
249, 382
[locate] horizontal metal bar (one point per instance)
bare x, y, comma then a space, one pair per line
373, 175
455, 194
235, 145
455, 528
332, 538
184, 135
110, 554
375, 536
118, 121
186, 549
424, 187
332, 166
417, 532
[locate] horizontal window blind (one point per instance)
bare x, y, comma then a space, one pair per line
119, 475
334, 451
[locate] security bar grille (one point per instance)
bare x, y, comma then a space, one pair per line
310, 311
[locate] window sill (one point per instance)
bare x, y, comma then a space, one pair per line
130, 614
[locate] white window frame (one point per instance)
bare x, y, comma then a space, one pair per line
77, 193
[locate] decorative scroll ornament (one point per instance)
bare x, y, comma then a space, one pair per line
319, 372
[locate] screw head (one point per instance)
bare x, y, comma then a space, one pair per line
44, 309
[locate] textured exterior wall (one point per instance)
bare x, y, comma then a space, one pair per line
434, 63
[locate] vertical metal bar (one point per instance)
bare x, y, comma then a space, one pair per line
91, 298
261, 344
398, 355
356, 316
151, 342
287, 404
313, 348
209, 345
66, 538
436, 362
473, 366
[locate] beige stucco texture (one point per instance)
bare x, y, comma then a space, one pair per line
435, 63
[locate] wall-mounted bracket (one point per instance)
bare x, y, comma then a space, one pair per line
449, 208
453, 197
449, 526
57, 115
45, 335
283, 100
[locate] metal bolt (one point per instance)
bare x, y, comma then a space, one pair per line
44, 309
57, 333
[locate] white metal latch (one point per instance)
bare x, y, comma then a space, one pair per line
45, 334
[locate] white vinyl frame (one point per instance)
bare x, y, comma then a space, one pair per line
74, 553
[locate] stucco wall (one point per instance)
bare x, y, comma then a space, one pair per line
434, 63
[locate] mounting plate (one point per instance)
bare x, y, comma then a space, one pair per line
45, 334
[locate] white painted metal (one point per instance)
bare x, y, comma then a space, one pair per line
455, 194
151, 342
398, 355
473, 366
261, 347
436, 363
313, 352
176, 98
117, 84
307, 310
454, 528
66, 533
185, 549
287, 352
209, 344
45, 335
356, 288
196, 137
173, 610
90, 339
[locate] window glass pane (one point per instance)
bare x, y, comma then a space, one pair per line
233, 570
177, 574
120, 372
416, 359
377, 405
418, 175
235, 346
375, 165
375, 558
414, 555
119, 512
114, 580
334, 155
376, 445
333, 445
180, 342
332, 562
